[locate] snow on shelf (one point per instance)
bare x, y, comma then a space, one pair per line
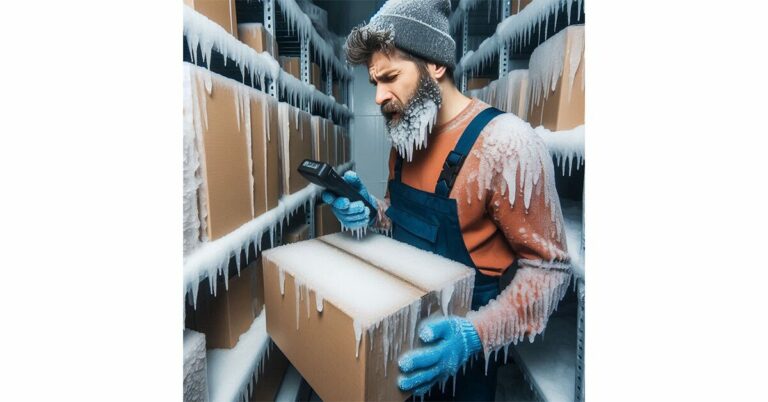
573, 214
549, 363
212, 258
232, 373
199, 30
298, 20
516, 30
567, 146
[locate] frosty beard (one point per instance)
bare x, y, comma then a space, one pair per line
415, 120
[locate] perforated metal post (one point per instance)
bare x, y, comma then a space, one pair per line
579, 391
464, 47
504, 51
305, 66
269, 25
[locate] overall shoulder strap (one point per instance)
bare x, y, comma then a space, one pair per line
455, 159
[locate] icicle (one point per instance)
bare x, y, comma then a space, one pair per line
445, 298
281, 279
358, 336
318, 302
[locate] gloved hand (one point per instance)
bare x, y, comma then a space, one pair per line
353, 215
455, 340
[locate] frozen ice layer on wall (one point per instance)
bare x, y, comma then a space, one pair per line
427, 271
566, 146
195, 371
233, 372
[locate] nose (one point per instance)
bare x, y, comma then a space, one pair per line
383, 94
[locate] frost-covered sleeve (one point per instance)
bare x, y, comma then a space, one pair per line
512, 157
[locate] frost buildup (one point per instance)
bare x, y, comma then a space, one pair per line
566, 146
547, 62
413, 126
192, 174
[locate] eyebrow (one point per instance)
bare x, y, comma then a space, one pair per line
381, 75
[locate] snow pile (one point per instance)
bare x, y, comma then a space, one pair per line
517, 31
195, 372
566, 146
548, 60
232, 373
398, 303
511, 158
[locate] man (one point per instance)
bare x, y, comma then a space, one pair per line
467, 182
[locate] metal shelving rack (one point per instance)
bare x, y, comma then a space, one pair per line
471, 20
269, 14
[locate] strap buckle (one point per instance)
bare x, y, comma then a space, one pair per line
451, 168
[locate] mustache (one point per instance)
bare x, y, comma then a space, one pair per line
393, 106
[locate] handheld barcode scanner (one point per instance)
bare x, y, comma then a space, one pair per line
324, 176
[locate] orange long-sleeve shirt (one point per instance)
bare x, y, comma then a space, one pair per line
508, 209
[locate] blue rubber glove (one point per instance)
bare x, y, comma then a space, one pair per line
353, 215
454, 339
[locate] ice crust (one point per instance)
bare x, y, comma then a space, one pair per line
504, 93
516, 31
195, 371
567, 146
547, 63
232, 373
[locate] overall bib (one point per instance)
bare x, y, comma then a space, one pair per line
430, 221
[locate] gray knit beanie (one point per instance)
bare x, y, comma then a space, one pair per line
419, 27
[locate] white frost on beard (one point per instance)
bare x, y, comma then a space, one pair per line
414, 131
534, 291
511, 149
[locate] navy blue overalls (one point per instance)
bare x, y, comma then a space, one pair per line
430, 221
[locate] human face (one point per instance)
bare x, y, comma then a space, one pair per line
409, 98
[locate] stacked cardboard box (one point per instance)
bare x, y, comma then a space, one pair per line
356, 308
231, 312
258, 38
319, 139
292, 65
477, 83
221, 110
265, 138
221, 12
330, 133
325, 221
301, 233
563, 107
295, 145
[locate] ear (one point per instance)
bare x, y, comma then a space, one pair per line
437, 72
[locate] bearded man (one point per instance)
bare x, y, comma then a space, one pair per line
467, 182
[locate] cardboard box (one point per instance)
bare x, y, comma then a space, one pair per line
228, 315
301, 233
325, 221
227, 199
336, 90
257, 37
477, 83
563, 108
295, 145
221, 12
518, 5
330, 134
319, 139
342, 310
265, 135
270, 376
292, 66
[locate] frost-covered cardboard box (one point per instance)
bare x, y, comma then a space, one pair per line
265, 152
342, 309
556, 81
257, 37
221, 12
295, 145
